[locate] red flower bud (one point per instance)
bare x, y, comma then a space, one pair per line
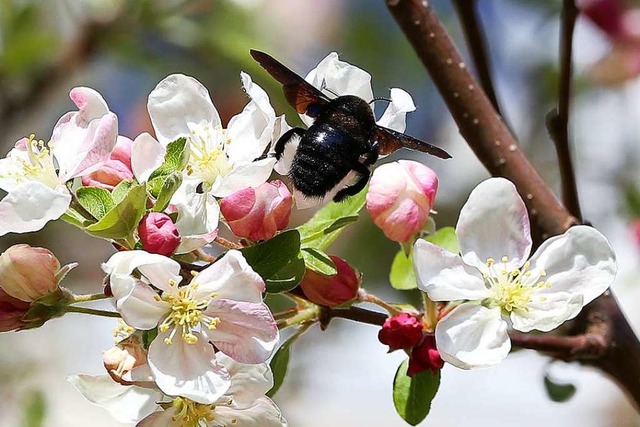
400, 197
158, 234
401, 331
114, 170
257, 213
425, 356
331, 290
28, 273
12, 311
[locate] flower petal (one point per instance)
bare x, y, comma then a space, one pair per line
160, 270
188, 370
473, 336
263, 413
137, 302
444, 275
247, 331
580, 261
90, 103
147, 155
494, 223
127, 404
547, 311
395, 116
198, 216
243, 175
230, 277
176, 101
248, 382
29, 206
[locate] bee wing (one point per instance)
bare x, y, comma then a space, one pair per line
391, 140
300, 94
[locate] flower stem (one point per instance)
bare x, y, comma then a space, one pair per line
92, 311
227, 243
364, 296
89, 297
308, 315
431, 309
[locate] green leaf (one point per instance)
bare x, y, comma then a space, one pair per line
402, 275
97, 201
169, 186
288, 277
123, 219
279, 364
327, 224
148, 336
270, 257
175, 159
319, 262
34, 409
412, 396
121, 190
445, 238
74, 217
558, 392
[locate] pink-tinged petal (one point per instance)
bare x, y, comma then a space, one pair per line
188, 370
580, 261
247, 331
176, 101
29, 206
395, 116
160, 270
263, 413
230, 277
243, 175
90, 103
166, 418
251, 131
248, 382
138, 303
110, 174
473, 336
127, 404
494, 223
547, 312
147, 155
444, 275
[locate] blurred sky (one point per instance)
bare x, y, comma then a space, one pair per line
343, 376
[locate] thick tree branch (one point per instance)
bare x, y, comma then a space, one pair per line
558, 119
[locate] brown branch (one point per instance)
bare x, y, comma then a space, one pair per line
558, 118
357, 314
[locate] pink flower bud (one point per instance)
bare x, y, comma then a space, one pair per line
331, 290
158, 234
606, 14
114, 170
401, 331
28, 273
257, 213
401, 195
12, 310
425, 356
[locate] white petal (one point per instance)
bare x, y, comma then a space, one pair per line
444, 275
127, 404
251, 131
137, 303
176, 101
473, 336
29, 206
263, 413
161, 419
395, 116
147, 155
243, 175
547, 311
90, 103
494, 223
248, 382
188, 370
198, 216
580, 261
230, 277
159, 269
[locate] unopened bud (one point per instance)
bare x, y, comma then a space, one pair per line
158, 234
258, 213
425, 356
400, 331
332, 290
12, 310
114, 170
400, 197
127, 361
28, 273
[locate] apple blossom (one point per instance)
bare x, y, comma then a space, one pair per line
401, 331
400, 197
222, 305
158, 234
499, 287
114, 170
332, 290
258, 213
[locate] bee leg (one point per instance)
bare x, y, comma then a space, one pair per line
356, 187
287, 137
371, 156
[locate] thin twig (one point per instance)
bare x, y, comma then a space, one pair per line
558, 118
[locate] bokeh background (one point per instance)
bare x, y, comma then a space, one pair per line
343, 376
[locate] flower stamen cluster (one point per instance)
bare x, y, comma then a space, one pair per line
192, 414
512, 290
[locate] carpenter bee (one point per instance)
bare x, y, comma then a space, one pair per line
344, 136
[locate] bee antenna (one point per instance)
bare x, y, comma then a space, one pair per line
323, 86
381, 99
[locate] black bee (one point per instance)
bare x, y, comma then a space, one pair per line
344, 136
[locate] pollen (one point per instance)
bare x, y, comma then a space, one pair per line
191, 414
209, 160
122, 331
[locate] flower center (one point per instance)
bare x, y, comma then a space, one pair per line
512, 290
208, 160
192, 414
186, 314
32, 162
